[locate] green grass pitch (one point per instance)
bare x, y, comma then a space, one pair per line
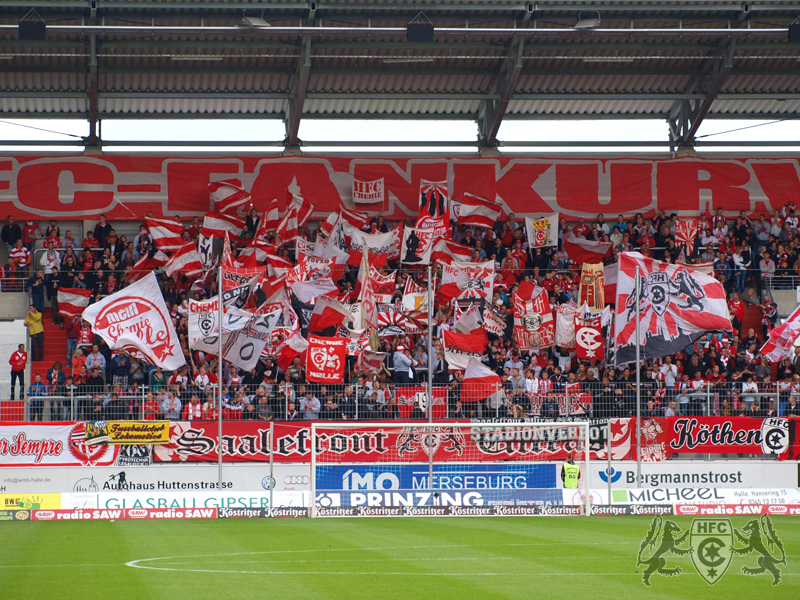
381, 558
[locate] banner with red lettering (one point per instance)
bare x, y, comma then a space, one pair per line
243, 441
125, 187
715, 435
51, 445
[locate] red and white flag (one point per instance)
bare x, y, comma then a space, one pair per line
147, 264
417, 246
534, 326
478, 212
325, 360
293, 346
780, 342
268, 222
186, 261
328, 312
589, 338
72, 301
368, 192
586, 251
677, 306
446, 251
380, 247
460, 347
167, 234
434, 200
369, 361
542, 232
565, 326
287, 228
308, 291
228, 195
470, 319
302, 208
136, 320
228, 259
216, 224
686, 233
255, 254
480, 382
415, 297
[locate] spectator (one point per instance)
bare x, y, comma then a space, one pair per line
193, 410
30, 233
11, 233
21, 256
35, 285
33, 320
36, 391
102, 230
96, 360
171, 407
18, 361
310, 406
151, 409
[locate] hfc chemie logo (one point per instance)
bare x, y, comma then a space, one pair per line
711, 546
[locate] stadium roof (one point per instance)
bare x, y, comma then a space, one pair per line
341, 59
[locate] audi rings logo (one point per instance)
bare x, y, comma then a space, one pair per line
268, 482
297, 480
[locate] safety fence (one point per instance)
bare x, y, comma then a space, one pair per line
381, 401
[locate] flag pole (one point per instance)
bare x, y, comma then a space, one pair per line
638, 382
430, 346
430, 371
219, 374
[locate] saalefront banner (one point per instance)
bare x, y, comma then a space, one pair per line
126, 187
197, 441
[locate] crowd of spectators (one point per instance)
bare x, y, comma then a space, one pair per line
716, 375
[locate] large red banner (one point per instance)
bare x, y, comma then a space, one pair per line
197, 441
128, 187
714, 435
51, 445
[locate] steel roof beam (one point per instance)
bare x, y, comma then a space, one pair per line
299, 93
685, 116
502, 86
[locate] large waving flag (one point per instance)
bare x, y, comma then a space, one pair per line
146, 264
478, 212
136, 319
677, 306
777, 347
167, 234
480, 382
216, 224
186, 261
228, 195
72, 301
586, 251
542, 232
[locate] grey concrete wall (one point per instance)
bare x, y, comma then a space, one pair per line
14, 305
786, 301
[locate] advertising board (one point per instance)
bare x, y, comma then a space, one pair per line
160, 477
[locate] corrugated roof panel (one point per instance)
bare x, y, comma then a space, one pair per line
588, 107
756, 107
391, 107
54, 106
190, 105
193, 82
420, 82
601, 82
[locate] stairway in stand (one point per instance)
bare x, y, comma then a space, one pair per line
55, 347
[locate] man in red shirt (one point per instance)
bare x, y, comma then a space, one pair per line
18, 361
737, 310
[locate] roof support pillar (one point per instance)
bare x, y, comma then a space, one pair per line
92, 142
686, 116
502, 87
299, 91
